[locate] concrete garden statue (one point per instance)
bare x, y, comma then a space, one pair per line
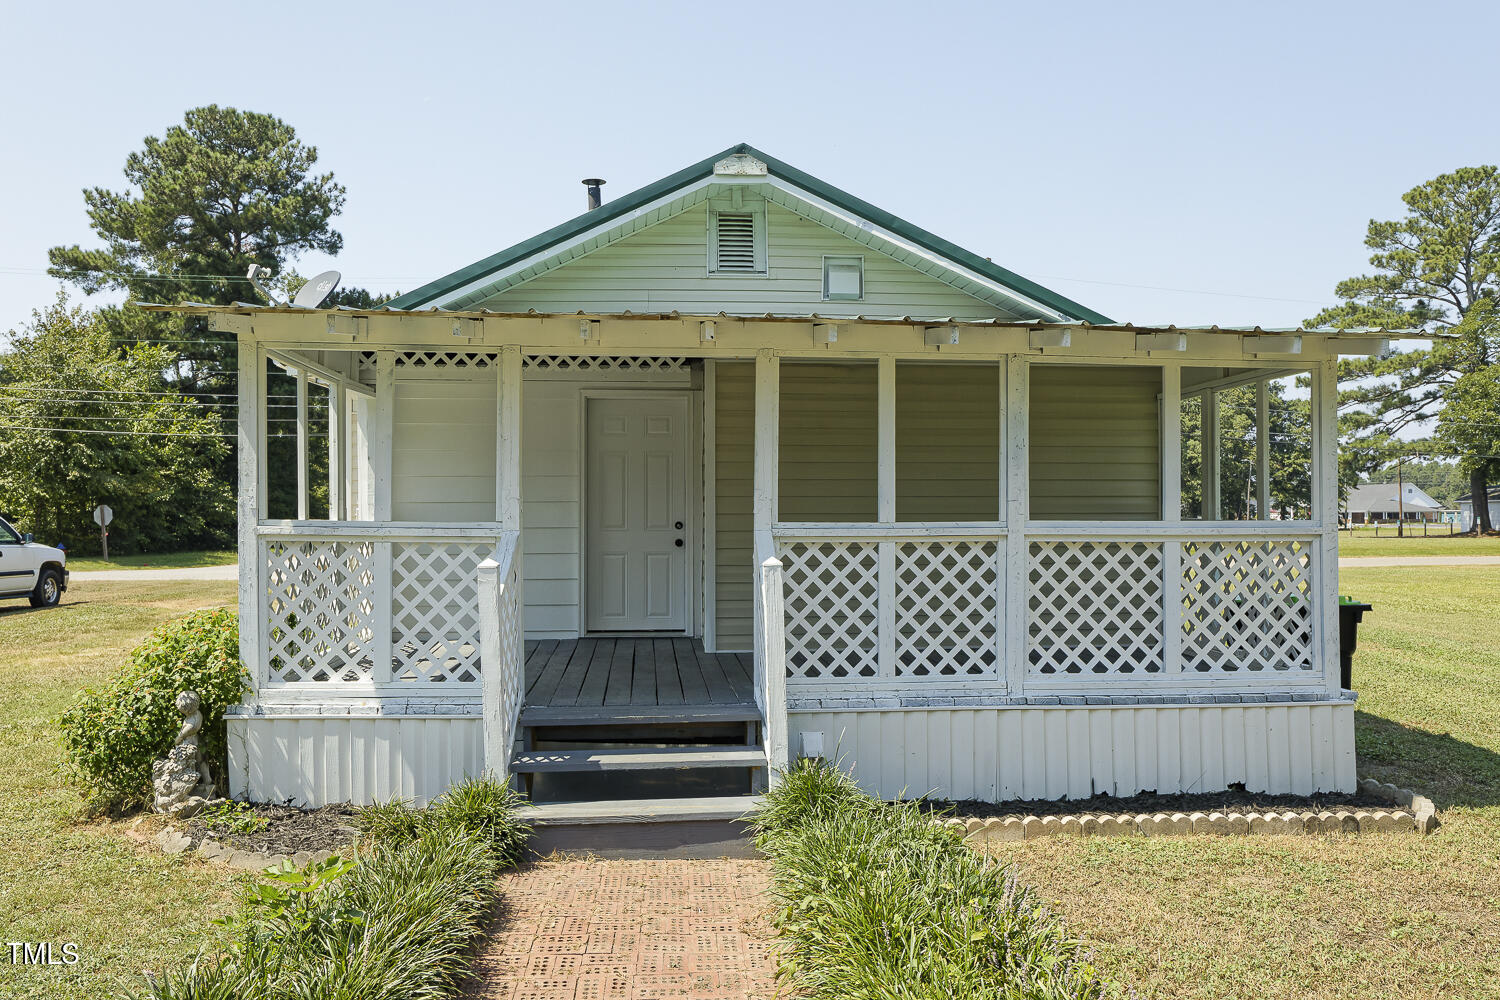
182, 781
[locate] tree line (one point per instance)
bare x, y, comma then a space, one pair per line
136, 409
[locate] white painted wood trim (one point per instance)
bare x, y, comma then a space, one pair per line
766, 494
710, 480
389, 530
1017, 513
773, 625
886, 439
303, 441
885, 608
501, 654
900, 530
1325, 401
261, 383
383, 645
338, 454
252, 368
1171, 441
381, 447
1209, 459
508, 440
1262, 451
1185, 530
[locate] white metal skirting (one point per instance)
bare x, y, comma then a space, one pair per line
997, 754
312, 761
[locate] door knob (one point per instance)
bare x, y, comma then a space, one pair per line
678, 543
679, 525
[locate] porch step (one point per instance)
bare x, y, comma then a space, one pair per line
636, 759
716, 808
708, 827
638, 715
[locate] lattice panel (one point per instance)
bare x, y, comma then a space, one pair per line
832, 605
1094, 608
435, 610
947, 608
320, 609
1247, 606
573, 364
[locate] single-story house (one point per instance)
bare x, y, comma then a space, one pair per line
1376, 503
1466, 509
739, 467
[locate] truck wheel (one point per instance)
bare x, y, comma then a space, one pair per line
48, 590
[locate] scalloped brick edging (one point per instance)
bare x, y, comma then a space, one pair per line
1415, 813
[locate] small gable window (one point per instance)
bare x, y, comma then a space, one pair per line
843, 279
737, 242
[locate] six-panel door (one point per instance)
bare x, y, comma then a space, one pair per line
635, 521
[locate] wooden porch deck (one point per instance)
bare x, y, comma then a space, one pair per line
628, 675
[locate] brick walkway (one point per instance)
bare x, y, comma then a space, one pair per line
630, 930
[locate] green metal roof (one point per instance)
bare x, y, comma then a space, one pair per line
542, 242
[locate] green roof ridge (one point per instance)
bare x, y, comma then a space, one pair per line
628, 203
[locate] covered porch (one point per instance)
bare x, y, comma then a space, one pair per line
880, 525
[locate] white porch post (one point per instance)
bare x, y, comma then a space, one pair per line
249, 430
1209, 462
885, 508
1171, 511
381, 460
385, 431
1262, 451
303, 441
1015, 382
1325, 499
508, 440
338, 451
767, 438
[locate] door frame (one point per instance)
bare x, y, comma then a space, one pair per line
693, 567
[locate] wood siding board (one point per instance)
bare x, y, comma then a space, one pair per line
1095, 442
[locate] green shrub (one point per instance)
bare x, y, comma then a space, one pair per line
478, 807
878, 901
395, 926
111, 735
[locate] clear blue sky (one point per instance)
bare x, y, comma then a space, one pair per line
1133, 157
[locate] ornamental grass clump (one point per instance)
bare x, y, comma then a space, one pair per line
394, 923
112, 734
878, 901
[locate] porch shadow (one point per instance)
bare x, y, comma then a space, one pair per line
1448, 770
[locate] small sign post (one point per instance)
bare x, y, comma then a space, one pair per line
102, 516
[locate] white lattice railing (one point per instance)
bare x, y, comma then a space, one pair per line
878, 605
923, 607
371, 606
502, 646
1200, 603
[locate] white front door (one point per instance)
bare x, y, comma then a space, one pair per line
636, 515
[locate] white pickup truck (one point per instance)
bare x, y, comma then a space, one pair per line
36, 572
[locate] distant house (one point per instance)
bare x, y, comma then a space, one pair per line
1376, 503
1466, 509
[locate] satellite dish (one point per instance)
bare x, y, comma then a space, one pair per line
316, 290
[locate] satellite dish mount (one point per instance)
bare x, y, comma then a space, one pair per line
310, 296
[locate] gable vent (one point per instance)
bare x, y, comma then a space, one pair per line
735, 242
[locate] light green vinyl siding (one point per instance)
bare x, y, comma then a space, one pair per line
665, 267
1095, 443
733, 475
829, 437
947, 442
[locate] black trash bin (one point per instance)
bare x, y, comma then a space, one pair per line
1350, 615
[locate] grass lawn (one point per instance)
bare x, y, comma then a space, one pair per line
1334, 917
127, 907
1366, 544
169, 560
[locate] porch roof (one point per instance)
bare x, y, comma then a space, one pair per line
1239, 330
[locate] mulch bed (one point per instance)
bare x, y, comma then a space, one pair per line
288, 830
1208, 802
